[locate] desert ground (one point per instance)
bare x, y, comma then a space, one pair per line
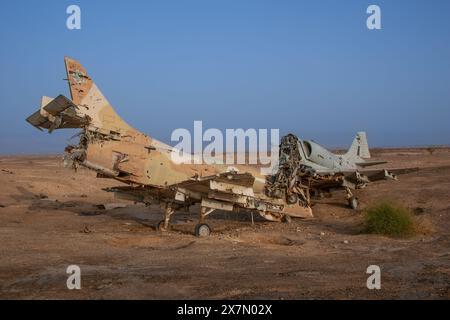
50, 218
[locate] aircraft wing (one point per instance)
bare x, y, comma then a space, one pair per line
221, 191
385, 174
357, 179
224, 191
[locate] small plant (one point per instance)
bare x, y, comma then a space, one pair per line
390, 219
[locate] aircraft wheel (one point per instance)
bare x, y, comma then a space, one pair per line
202, 230
292, 198
353, 203
287, 219
160, 226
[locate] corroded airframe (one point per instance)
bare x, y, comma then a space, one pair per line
112, 148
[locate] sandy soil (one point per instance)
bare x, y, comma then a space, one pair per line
49, 220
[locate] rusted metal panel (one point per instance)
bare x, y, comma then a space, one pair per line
229, 197
214, 204
231, 188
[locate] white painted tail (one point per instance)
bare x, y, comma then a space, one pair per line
359, 147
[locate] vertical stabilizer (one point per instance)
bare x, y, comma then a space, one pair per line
90, 101
359, 147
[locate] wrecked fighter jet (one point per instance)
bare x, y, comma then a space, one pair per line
113, 149
334, 172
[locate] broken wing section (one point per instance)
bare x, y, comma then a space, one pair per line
57, 113
232, 191
386, 174
357, 179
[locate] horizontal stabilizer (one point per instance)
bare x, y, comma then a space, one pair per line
60, 104
370, 163
38, 121
57, 113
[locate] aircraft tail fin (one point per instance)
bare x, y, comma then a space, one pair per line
91, 102
87, 108
359, 147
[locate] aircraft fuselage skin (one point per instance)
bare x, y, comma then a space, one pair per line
323, 160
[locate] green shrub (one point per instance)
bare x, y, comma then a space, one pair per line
388, 218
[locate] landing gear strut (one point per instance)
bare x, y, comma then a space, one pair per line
164, 224
352, 200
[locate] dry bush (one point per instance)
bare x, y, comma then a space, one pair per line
390, 219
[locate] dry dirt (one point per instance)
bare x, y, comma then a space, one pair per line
49, 220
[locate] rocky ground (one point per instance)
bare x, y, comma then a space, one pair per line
50, 219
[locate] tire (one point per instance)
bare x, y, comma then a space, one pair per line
287, 219
292, 198
160, 226
353, 203
202, 230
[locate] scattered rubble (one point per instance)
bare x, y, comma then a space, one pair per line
86, 229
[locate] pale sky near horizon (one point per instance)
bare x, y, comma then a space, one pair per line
307, 67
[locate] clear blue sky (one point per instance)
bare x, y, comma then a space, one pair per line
307, 67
